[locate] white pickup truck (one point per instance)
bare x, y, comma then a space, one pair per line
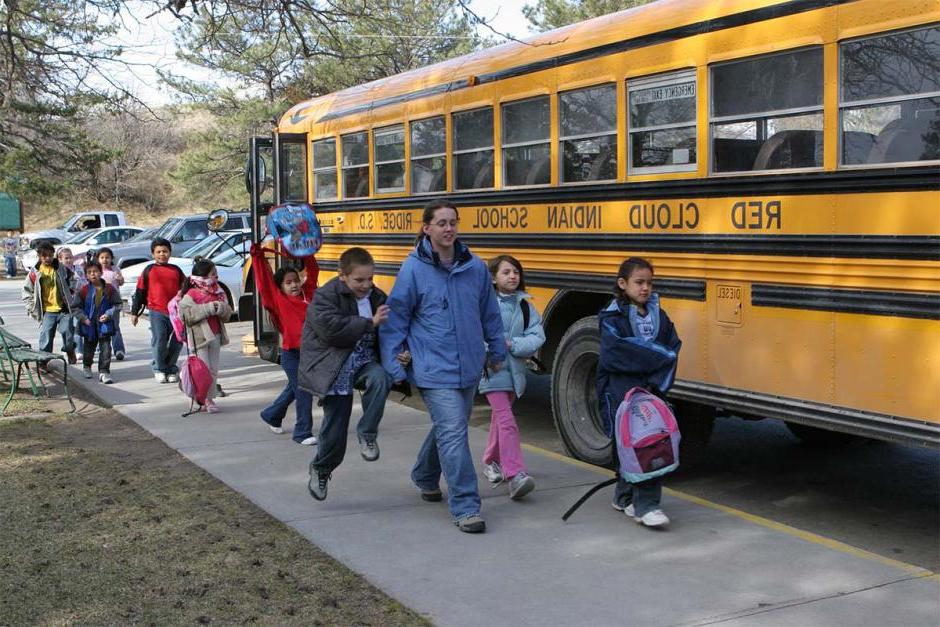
82, 221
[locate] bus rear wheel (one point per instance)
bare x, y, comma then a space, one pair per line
574, 394
814, 436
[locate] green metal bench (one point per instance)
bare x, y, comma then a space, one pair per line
17, 353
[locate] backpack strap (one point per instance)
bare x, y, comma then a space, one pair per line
524, 305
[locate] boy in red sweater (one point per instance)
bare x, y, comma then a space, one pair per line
285, 298
156, 287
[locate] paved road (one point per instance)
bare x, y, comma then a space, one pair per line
716, 564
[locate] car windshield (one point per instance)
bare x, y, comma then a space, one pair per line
203, 248
228, 258
83, 236
143, 235
167, 228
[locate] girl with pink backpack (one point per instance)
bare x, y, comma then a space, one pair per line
639, 349
204, 310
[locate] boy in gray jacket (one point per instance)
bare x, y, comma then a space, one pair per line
339, 352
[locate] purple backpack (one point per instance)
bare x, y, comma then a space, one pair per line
647, 436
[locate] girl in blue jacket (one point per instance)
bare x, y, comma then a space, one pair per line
523, 335
639, 348
443, 308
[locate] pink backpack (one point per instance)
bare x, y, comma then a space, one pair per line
647, 436
179, 329
195, 382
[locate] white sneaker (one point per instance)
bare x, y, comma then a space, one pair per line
87, 373
277, 430
172, 378
211, 407
105, 377
309, 441
493, 473
159, 377
654, 518
628, 510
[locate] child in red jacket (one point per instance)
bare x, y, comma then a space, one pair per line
285, 297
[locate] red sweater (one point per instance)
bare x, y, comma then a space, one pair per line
156, 287
287, 312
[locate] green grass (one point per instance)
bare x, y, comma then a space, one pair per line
102, 523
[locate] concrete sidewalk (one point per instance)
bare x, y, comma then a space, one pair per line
713, 565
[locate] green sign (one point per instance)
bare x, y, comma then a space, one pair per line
11, 213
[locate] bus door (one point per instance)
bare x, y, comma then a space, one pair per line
276, 174
260, 184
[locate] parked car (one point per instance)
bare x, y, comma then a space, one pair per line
81, 243
82, 221
228, 252
183, 232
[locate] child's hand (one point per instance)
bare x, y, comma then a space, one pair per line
134, 320
493, 366
104, 318
86, 322
381, 315
404, 358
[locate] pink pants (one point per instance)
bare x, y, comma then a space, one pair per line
503, 445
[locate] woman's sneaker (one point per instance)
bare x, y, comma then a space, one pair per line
520, 485
493, 473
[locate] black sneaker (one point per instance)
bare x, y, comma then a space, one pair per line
317, 485
369, 449
431, 496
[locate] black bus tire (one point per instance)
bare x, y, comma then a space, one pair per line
268, 351
814, 436
574, 394
696, 424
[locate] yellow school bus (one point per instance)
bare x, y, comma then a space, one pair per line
778, 162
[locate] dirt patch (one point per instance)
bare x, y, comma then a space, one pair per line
103, 523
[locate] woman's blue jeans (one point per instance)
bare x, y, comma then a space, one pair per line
274, 413
447, 449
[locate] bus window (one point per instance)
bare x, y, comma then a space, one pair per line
662, 123
889, 99
324, 169
473, 148
389, 149
588, 135
355, 165
526, 150
428, 155
766, 112
294, 171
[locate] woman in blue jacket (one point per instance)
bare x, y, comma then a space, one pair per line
444, 309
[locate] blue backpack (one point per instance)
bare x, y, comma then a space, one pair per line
297, 228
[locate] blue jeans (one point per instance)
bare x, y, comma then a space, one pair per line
117, 340
163, 344
274, 413
51, 324
644, 495
11, 265
331, 445
447, 449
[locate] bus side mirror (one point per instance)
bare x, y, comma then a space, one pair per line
217, 220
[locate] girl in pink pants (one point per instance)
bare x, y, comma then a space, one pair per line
523, 334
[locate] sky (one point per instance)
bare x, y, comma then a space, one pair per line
149, 45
